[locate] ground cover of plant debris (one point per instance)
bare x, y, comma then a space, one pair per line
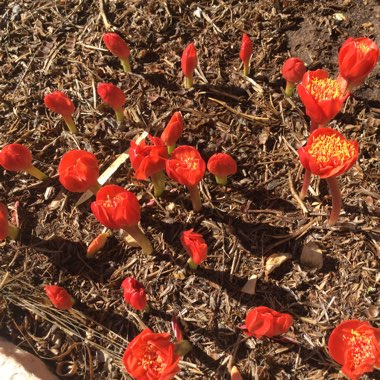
57, 45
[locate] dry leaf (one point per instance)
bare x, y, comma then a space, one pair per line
312, 256
250, 286
275, 260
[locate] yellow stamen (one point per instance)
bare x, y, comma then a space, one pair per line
363, 48
152, 360
360, 346
324, 89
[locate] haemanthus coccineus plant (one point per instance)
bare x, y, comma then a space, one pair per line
59, 297
189, 61
114, 97
195, 246
245, 54
328, 154
221, 165
119, 48
172, 131
355, 345
134, 293
293, 71
6, 229
118, 208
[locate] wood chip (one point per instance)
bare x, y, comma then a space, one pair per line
250, 286
312, 256
276, 260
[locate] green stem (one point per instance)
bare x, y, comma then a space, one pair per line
119, 114
70, 124
182, 348
140, 238
170, 149
333, 184
306, 183
95, 188
289, 89
246, 68
158, 180
13, 231
188, 83
221, 180
126, 65
195, 197
36, 173
192, 264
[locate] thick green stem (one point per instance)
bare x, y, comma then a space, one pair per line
158, 180
221, 180
95, 188
289, 89
70, 124
37, 173
126, 65
195, 198
188, 83
336, 200
306, 183
192, 264
170, 149
140, 238
246, 68
119, 112
13, 231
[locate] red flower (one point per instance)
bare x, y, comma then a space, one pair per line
357, 58
151, 356
3, 221
116, 45
58, 102
148, 159
322, 97
134, 293
78, 171
355, 345
189, 60
263, 321
111, 95
173, 130
195, 246
186, 166
293, 70
327, 153
116, 207
15, 157
246, 49
221, 165
59, 297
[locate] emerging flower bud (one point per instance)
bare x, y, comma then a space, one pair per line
59, 103
221, 165
17, 157
6, 229
189, 61
97, 244
114, 97
59, 297
134, 293
293, 71
195, 246
79, 171
246, 51
118, 47
172, 131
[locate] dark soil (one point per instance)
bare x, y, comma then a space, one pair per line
57, 45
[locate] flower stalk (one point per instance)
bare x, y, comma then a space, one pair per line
140, 238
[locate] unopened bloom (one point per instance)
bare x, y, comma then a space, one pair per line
293, 71
18, 157
195, 246
6, 229
355, 345
134, 293
59, 297
357, 58
322, 96
263, 321
221, 165
79, 171
151, 356
246, 52
60, 103
118, 47
189, 61
173, 131
114, 97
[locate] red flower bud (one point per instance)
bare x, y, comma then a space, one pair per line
3, 221
59, 297
221, 165
146, 159
186, 166
263, 321
97, 244
293, 70
111, 95
195, 246
78, 171
116, 207
357, 58
327, 153
116, 45
134, 293
151, 356
173, 130
322, 97
246, 49
355, 345
15, 157
189, 60
58, 102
